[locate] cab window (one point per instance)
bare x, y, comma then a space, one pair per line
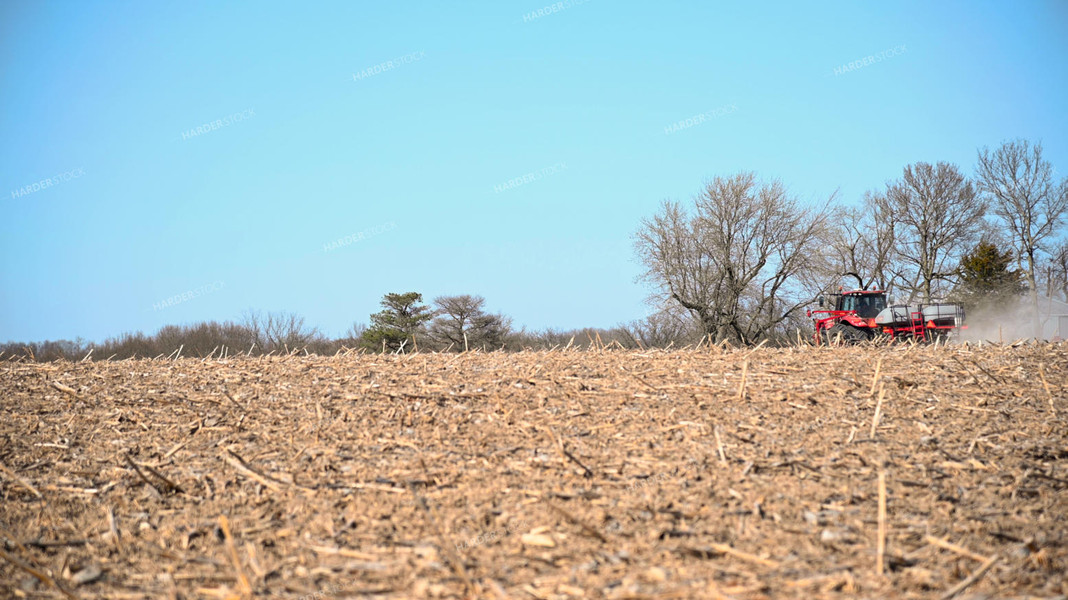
870, 306
849, 303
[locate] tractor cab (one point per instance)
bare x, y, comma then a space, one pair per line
848, 316
867, 305
863, 303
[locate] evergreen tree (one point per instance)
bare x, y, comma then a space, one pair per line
986, 278
393, 328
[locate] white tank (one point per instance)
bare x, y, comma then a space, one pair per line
902, 315
896, 316
943, 314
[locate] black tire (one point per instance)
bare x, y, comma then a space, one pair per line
846, 333
835, 335
880, 338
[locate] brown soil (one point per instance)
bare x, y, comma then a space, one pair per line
539, 475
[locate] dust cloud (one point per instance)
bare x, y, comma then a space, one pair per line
1007, 322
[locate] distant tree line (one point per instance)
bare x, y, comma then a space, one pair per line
405, 324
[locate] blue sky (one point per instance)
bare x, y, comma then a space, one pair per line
97, 95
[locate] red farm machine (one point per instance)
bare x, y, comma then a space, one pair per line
861, 315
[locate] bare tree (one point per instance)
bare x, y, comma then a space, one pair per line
1019, 183
862, 243
741, 262
462, 323
279, 332
287, 332
352, 336
670, 326
1057, 273
938, 217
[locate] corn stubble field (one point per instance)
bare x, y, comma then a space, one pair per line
605, 474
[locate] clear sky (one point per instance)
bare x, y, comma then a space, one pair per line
315, 143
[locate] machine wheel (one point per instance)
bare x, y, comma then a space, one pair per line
937, 337
847, 333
